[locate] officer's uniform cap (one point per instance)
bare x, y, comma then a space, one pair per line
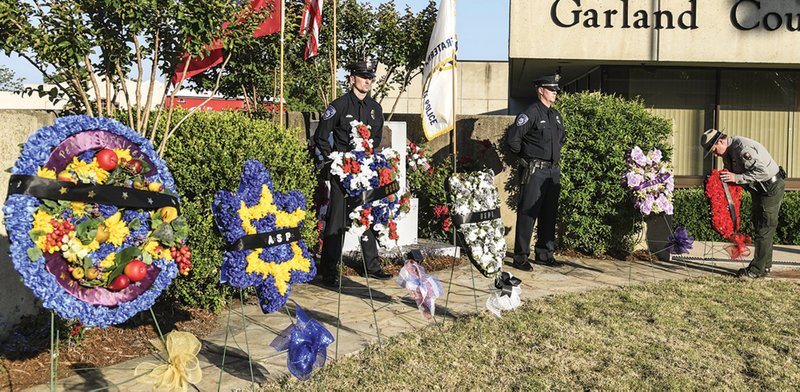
364, 68
549, 82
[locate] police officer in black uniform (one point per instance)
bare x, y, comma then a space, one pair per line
536, 138
333, 134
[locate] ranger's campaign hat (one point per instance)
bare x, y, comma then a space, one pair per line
549, 82
364, 68
708, 139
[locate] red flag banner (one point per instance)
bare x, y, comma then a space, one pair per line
312, 20
270, 25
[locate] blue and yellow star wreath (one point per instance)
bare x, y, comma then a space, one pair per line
262, 229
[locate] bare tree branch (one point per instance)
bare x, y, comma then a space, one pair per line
96, 88
127, 96
138, 49
142, 126
163, 145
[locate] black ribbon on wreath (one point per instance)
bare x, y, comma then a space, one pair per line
266, 240
472, 217
45, 188
371, 195
731, 206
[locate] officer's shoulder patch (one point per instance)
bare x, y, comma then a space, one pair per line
329, 112
522, 119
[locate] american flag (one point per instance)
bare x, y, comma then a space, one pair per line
312, 20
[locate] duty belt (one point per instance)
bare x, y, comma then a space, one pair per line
540, 164
762, 185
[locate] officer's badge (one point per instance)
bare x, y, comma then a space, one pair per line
372, 113
329, 112
522, 119
747, 156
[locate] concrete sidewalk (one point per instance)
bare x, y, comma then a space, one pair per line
396, 313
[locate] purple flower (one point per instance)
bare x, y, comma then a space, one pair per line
638, 156
633, 179
656, 153
664, 205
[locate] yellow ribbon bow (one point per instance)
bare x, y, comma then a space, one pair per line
183, 367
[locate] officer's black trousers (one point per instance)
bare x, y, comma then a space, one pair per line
538, 200
336, 226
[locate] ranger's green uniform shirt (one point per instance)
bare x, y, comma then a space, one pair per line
749, 160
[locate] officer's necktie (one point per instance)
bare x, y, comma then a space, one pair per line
362, 111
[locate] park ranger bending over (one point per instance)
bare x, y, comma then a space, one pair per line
748, 163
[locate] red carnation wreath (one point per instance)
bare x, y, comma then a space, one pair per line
725, 213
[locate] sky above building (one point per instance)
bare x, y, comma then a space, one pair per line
482, 28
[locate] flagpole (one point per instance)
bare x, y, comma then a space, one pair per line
455, 108
283, 25
334, 41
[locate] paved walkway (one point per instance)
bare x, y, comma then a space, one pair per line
396, 314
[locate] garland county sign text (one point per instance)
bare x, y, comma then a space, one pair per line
610, 18
744, 15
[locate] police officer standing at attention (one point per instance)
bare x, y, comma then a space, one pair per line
334, 134
748, 163
536, 138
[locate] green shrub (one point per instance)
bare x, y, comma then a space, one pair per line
206, 155
692, 211
789, 219
429, 189
596, 214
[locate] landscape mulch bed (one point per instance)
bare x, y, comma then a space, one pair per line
431, 264
25, 353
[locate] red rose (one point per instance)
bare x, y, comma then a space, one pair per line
446, 224
363, 131
384, 176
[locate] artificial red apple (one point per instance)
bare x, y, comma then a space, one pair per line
136, 270
107, 159
135, 166
119, 283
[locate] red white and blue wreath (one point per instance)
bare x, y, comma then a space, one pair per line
370, 181
262, 229
92, 218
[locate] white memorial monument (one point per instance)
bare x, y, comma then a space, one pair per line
407, 226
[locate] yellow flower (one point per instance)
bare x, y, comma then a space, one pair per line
123, 154
46, 173
88, 172
108, 262
162, 253
41, 221
78, 208
117, 228
266, 205
282, 272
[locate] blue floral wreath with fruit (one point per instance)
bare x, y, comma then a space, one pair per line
92, 218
